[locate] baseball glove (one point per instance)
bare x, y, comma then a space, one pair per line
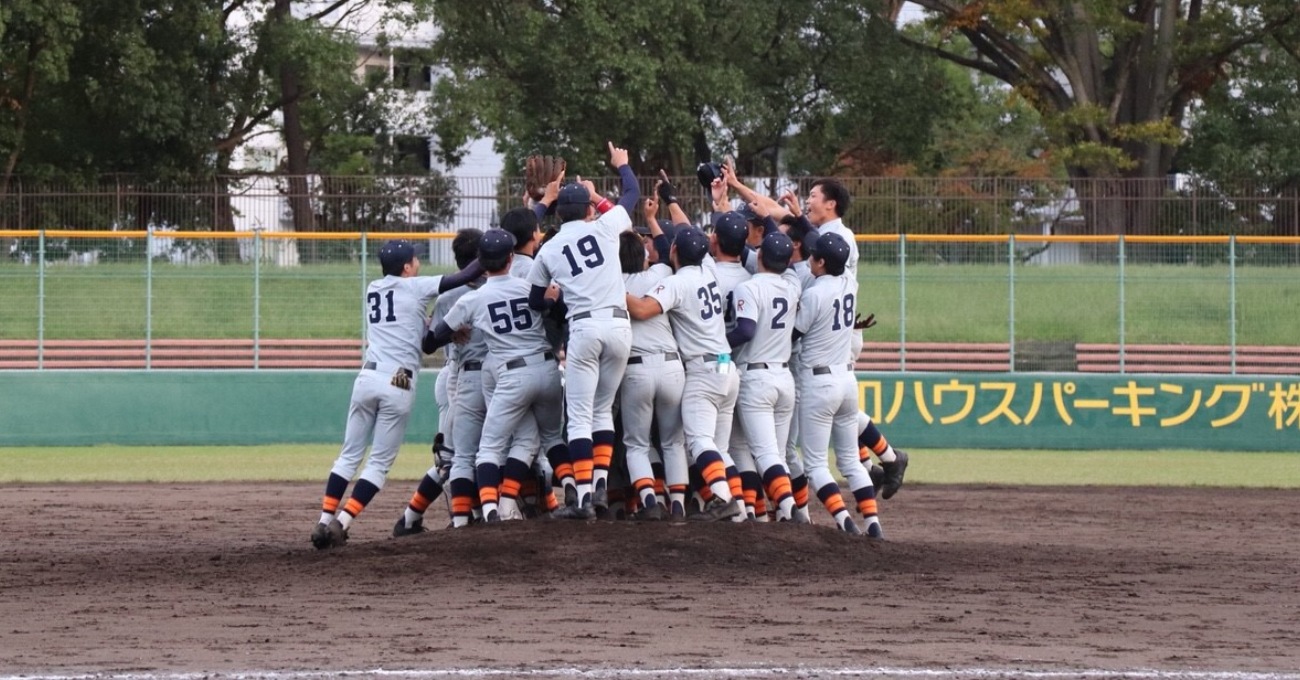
540, 171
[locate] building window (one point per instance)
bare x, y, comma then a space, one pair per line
411, 154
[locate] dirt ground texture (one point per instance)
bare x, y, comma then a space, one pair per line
222, 578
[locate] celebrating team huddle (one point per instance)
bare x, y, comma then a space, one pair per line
663, 371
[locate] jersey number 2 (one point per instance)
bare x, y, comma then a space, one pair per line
589, 249
376, 314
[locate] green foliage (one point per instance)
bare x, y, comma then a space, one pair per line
679, 82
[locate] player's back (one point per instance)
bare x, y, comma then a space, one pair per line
499, 310
825, 318
653, 335
771, 301
695, 308
729, 276
395, 311
583, 260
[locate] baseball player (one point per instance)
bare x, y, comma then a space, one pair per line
464, 248
652, 390
765, 312
395, 311
520, 375
727, 244
582, 260
695, 307
470, 408
523, 224
828, 402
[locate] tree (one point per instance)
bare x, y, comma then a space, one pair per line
679, 81
1244, 139
1112, 79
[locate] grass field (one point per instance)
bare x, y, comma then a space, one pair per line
967, 302
933, 466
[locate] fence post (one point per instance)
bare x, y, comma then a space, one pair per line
1121, 304
364, 257
1232, 302
40, 300
902, 302
148, 298
257, 298
1011, 307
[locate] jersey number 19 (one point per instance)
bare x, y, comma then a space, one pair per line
589, 249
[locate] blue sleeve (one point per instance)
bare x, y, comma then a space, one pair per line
742, 333
663, 246
795, 335
540, 209
770, 226
436, 337
460, 278
631, 193
537, 298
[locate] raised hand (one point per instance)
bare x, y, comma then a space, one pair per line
617, 156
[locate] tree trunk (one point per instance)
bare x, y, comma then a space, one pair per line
295, 140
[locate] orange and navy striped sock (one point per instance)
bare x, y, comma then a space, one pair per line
799, 489
580, 452
714, 474
514, 476
866, 499
677, 497
631, 501
874, 440
335, 487
362, 493
463, 495
750, 483
645, 492
552, 503
777, 481
428, 491
489, 486
558, 457
760, 506
734, 484
830, 497
602, 453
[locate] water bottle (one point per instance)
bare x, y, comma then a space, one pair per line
724, 363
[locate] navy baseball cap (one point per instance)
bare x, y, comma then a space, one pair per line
393, 254
641, 230
496, 244
692, 244
573, 194
731, 227
832, 248
750, 215
777, 247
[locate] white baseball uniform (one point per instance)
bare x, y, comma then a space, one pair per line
828, 389
395, 311
695, 307
652, 391
767, 390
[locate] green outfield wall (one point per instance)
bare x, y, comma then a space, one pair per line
70, 408
940, 410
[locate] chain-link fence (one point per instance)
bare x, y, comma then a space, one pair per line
1035, 303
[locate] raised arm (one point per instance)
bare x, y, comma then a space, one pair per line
631, 191
460, 278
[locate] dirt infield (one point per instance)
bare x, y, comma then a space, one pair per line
221, 578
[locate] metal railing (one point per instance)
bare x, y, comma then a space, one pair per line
1048, 299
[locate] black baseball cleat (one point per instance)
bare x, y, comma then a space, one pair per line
600, 497
493, 517
400, 529
570, 496
875, 532
338, 535
716, 510
877, 476
320, 536
574, 512
652, 513
893, 475
850, 527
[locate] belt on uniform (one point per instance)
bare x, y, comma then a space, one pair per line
826, 370
707, 357
766, 366
668, 356
471, 366
372, 366
523, 361
620, 313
